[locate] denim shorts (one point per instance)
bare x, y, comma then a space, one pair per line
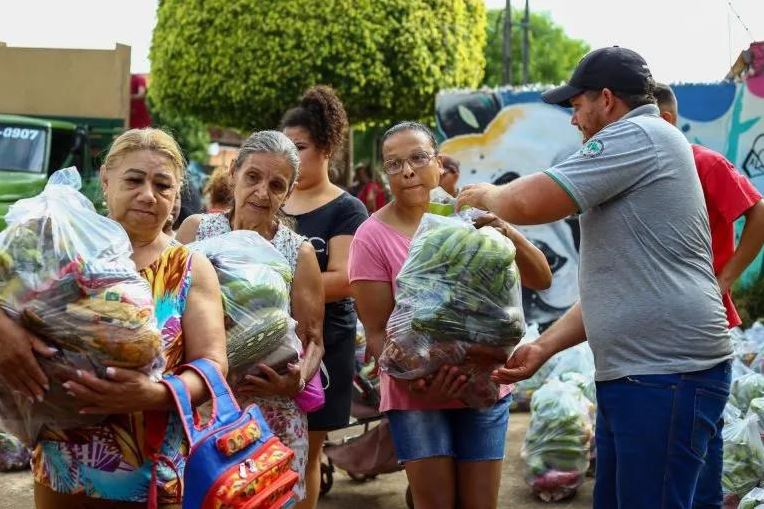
465, 434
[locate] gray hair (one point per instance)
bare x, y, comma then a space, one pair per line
270, 142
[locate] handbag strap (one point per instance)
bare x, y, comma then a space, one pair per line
225, 409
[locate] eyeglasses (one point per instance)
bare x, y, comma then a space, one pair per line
417, 161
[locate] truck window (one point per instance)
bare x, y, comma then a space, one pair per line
22, 148
61, 145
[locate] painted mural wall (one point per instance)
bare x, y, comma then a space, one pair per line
501, 134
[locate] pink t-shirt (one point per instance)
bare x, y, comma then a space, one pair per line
377, 253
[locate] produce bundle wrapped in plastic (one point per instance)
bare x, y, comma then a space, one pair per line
753, 500
558, 441
746, 388
254, 281
458, 302
13, 454
743, 467
67, 276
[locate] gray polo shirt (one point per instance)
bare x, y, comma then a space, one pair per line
650, 301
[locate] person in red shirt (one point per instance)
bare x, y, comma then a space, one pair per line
139, 112
729, 195
368, 189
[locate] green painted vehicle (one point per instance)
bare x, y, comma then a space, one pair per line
31, 149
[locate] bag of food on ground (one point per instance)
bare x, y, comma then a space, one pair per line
558, 441
753, 500
66, 274
757, 408
743, 466
13, 454
254, 281
458, 302
746, 388
745, 348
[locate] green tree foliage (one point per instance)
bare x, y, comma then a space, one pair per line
553, 54
242, 63
192, 134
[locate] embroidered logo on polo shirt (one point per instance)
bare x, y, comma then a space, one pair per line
592, 148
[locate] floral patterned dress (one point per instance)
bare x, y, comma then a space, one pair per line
283, 415
113, 460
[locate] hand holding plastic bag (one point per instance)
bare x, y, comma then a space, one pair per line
557, 445
254, 280
66, 274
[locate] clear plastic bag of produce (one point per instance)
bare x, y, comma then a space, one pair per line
67, 276
254, 281
441, 203
754, 499
746, 348
14, 455
458, 302
743, 466
557, 445
746, 388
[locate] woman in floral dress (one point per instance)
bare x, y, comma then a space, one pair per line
140, 446
263, 175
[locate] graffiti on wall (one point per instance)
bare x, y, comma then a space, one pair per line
499, 135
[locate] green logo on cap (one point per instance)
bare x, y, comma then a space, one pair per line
592, 148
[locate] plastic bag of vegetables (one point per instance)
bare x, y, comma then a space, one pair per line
743, 466
746, 388
13, 454
255, 282
557, 444
753, 500
458, 302
66, 274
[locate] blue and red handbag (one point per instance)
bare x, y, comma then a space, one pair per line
234, 461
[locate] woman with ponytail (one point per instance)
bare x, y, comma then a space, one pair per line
328, 216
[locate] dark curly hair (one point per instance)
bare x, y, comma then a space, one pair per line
322, 114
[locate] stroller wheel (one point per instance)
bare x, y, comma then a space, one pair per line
361, 477
327, 478
409, 498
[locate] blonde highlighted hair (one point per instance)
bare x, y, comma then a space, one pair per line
151, 139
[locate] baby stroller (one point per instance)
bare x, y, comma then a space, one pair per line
367, 454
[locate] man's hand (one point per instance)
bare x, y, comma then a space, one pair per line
123, 391
271, 383
476, 195
521, 365
448, 384
19, 370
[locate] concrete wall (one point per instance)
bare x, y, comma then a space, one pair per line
65, 82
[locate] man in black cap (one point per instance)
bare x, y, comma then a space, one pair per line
650, 306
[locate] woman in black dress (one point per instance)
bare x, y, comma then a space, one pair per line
328, 216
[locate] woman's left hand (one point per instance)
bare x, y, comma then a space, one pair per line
123, 391
271, 383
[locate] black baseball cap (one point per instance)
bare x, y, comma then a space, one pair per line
616, 68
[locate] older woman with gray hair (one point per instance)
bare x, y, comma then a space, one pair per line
262, 177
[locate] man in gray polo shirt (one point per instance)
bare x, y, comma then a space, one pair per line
650, 306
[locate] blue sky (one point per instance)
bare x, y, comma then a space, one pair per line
682, 40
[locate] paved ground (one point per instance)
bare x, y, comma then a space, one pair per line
384, 492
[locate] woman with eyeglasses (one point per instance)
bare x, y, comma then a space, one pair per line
452, 454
